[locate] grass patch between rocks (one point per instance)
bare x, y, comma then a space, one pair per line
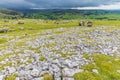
107, 67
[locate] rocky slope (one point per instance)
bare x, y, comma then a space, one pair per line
58, 52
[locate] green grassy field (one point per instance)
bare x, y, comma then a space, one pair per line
32, 27
107, 66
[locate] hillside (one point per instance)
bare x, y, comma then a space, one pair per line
68, 14
8, 13
60, 14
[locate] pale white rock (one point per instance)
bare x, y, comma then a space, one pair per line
17, 78
55, 68
35, 72
40, 78
67, 78
2, 77
95, 71
79, 70
11, 70
118, 71
3, 62
28, 51
21, 73
70, 72
56, 62
8, 51
57, 78
114, 49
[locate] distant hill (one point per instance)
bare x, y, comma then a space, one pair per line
8, 13
60, 14
71, 14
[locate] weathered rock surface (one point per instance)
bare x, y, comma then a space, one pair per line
59, 54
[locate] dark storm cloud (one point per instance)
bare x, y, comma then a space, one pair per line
15, 4
70, 3
54, 3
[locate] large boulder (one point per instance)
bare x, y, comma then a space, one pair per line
20, 22
82, 23
6, 20
89, 24
3, 30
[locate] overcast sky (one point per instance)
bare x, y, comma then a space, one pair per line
61, 4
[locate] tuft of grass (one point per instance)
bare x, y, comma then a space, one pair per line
3, 57
3, 40
48, 77
29, 61
3, 65
87, 56
11, 77
42, 58
86, 76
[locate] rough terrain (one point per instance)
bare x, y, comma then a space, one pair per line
58, 52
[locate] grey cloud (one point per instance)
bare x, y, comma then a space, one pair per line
70, 3
54, 3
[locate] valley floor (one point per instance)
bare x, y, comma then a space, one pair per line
44, 50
